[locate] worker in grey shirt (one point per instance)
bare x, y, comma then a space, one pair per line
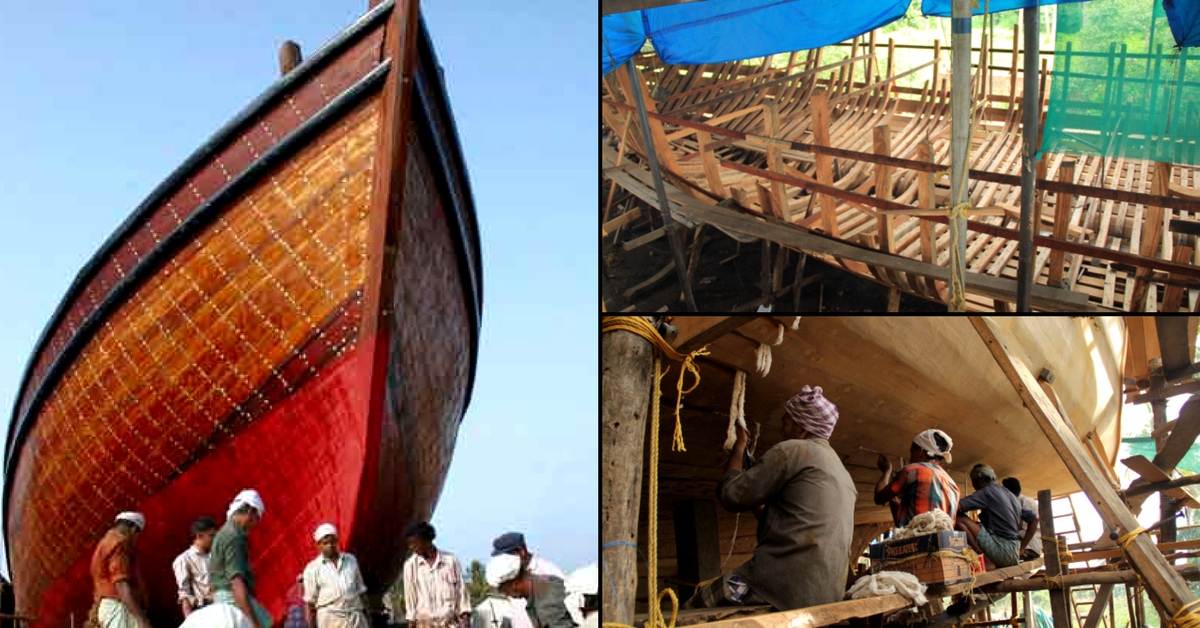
1034, 549
807, 518
1000, 517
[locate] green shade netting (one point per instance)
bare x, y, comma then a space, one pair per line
1119, 86
1144, 446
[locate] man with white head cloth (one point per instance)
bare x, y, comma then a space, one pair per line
583, 591
922, 485
116, 583
539, 601
230, 575
804, 533
333, 585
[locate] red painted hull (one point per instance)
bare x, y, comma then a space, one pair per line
336, 400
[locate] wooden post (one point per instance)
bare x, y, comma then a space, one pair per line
1030, 108
1164, 583
1060, 599
289, 57
1062, 217
711, 171
1158, 405
819, 106
627, 363
1096, 613
883, 188
925, 200
960, 139
1151, 235
697, 547
775, 159
1182, 253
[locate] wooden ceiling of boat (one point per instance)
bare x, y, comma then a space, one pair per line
891, 377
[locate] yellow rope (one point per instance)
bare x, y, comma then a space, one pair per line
1054, 582
643, 328
1186, 616
1125, 540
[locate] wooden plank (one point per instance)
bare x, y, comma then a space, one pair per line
1187, 429
1148, 472
1173, 296
1081, 557
819, 108
620, 221
1062, 217
1161, 581
694, 332
1098, 606
628, 360
1060, 600
645, 239
1192, 386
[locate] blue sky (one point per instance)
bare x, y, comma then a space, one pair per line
100, 101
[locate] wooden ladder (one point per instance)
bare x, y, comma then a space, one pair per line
1081, 601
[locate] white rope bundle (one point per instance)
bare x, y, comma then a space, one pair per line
763, 356
889, 583
779, 338
925, 523
736, 409
796, 324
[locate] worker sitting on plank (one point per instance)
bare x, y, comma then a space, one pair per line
1001, 515
1034, 549
804, 532
117, 588
922, 485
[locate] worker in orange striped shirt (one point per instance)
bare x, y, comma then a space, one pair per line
922, 485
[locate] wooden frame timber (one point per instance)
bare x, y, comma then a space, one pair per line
732, 127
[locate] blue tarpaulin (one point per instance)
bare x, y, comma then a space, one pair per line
941, 8
622, 37
1184, 18
717, 31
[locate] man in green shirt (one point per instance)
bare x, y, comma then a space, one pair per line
230, 575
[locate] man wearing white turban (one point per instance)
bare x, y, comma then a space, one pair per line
230, 576
921, 486
116, 583
333, 585
805, 530
542, 597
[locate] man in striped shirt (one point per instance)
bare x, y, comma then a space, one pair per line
191, 567
921, 486
435, 595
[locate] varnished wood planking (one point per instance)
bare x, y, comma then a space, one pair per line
290, 284
265, 131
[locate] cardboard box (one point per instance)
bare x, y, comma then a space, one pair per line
919, 555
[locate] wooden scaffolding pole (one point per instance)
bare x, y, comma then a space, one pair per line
627, 359
960, 144
1162, 582
1060, 603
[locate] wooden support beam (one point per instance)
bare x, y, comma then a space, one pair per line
1062, 217
1190, 386
620, 221
1162, 582
1082, 557
627, 362
1096, 613
697, 331
711, 172
654, 280
1182, 253
1184, 572
644, 239
819, 108
1060, 600
1187, 429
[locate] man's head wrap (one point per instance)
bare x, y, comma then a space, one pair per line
929, 444
248, 497
813, 412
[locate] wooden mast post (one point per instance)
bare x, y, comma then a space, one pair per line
626, 361
1162, 582
289, 57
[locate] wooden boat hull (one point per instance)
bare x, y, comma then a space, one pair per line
891, 377
264, 320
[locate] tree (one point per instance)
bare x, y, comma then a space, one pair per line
476, 581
